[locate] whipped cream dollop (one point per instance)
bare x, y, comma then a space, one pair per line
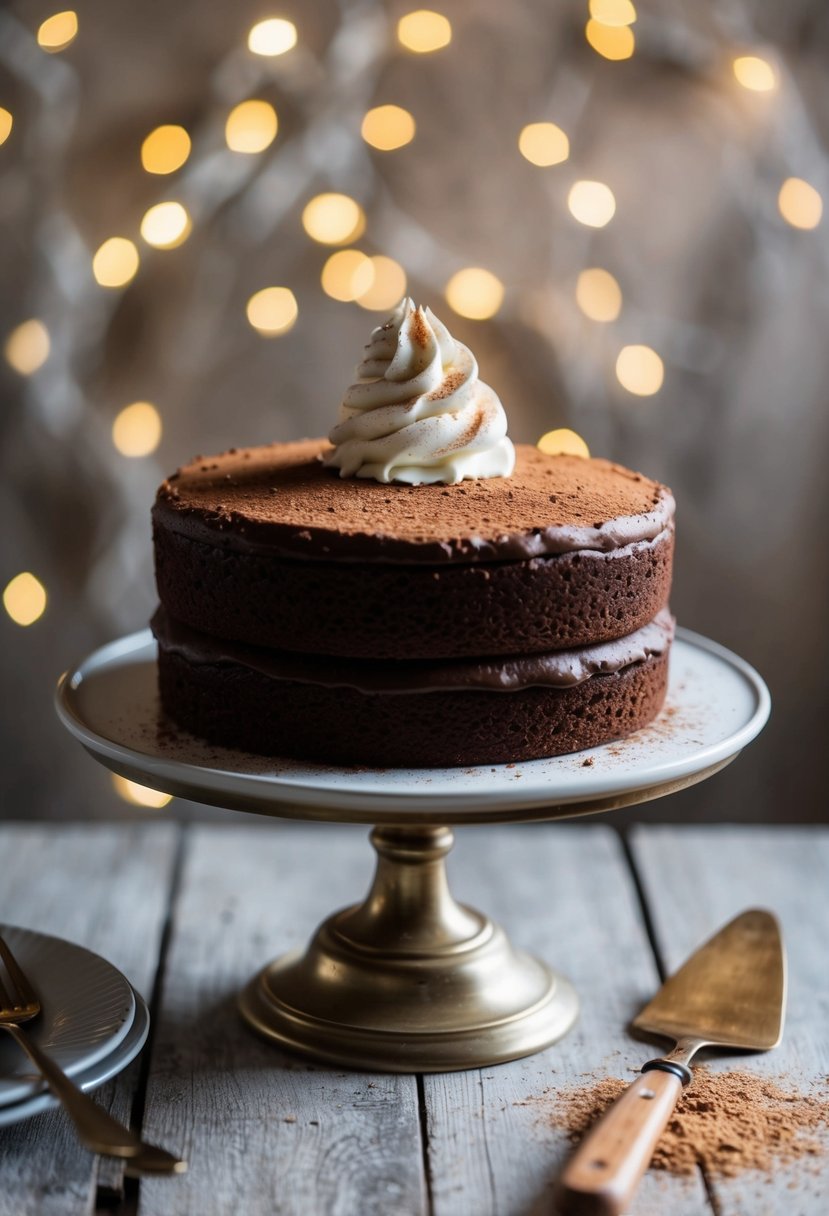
418, 412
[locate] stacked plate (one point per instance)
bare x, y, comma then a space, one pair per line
93, 1022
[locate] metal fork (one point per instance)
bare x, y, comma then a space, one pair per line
95, 1127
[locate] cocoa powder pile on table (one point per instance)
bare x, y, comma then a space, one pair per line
725, 1122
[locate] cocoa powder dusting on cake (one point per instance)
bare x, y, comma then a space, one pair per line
422, 522
725, 1122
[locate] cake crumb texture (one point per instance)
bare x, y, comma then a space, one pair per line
235, 706
384, 610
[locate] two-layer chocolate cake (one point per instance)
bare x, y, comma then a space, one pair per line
445, 600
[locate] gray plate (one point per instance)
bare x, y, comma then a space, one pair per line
90, 1078
88, 1009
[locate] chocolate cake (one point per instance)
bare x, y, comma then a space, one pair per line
425, 607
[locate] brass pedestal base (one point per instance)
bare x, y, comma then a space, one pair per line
410, 981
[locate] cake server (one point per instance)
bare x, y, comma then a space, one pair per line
730, 993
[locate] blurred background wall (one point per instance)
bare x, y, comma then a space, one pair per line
619, 212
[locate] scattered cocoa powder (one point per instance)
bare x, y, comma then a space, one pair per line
725, 1122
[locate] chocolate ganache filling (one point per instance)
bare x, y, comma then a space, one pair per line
559, 669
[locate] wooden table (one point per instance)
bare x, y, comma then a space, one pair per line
190, 913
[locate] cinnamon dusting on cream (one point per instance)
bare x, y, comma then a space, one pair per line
418, 413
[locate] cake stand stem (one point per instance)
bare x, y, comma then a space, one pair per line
410, 980
409, 908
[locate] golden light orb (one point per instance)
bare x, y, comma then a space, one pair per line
755, 73
613, 12
136, 430
388, 284
543, 143
165, 149
388, 127
475, 293
598, 294
56, 33
25, 599
139, 795
591, 203
116, 262
272, 37
800, 203
424, 31
610, 41
347, 275
563, 442
640, 370
166, 225
27, 347
272, 311
6, 124
333, 219
251, 126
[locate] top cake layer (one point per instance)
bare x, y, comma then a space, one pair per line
282, 499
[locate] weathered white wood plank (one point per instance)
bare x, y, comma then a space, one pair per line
566, 894
105, 887
263, 1131
695, 880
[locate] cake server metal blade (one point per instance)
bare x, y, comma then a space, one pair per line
730, 992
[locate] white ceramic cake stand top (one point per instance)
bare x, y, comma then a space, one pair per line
409, 980
716, 704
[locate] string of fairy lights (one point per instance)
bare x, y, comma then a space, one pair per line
374, 281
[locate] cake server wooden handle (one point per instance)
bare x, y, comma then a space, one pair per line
602, 1175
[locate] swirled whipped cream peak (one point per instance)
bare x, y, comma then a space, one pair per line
418, 412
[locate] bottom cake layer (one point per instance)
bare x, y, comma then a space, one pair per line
235, 705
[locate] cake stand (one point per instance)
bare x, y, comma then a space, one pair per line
409, 980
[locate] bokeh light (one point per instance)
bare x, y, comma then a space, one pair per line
475, 293
27, 347
166, 225
800, 203
598, 294
610, 41
543, 143
423, 31
272, 311
272, 37
347, 274
613, 12
591, 203
251, 126
388, 285
563, 442
58, 32
388, 127
136, 430
640, 370
165, 149
24, 599
139, 795
755, 73
6, 124
333, 219
116, 262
